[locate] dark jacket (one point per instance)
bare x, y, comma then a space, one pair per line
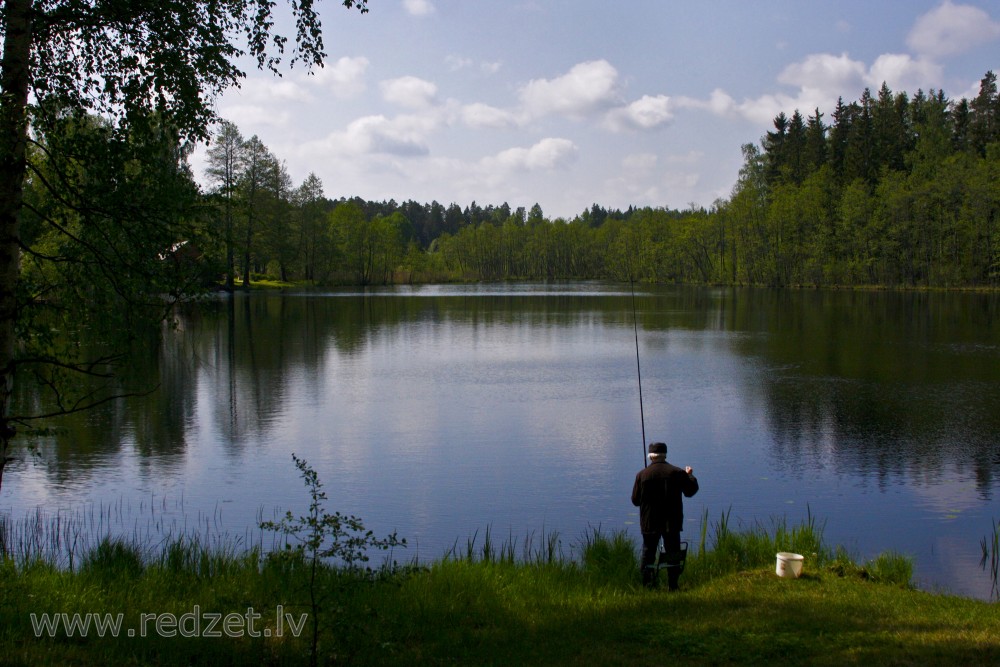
657, 493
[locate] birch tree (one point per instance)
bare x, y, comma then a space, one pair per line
121, 60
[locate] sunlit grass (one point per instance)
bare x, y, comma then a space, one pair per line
273, 283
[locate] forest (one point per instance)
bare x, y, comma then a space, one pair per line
891, 190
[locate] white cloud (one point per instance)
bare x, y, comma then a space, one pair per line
490, 68
262, 89
280, 89
418, 7
821, 78
825, 73
817, 82
483, 115
763, 109
248, 116
403, 136
902, 73
952, 29
409, 91
646, 113
549, 153
586, 87
344, 78
719, 102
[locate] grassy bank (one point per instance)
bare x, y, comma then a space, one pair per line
518, 602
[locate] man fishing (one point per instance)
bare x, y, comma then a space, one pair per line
657, 493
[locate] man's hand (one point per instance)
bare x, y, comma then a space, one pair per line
688, 469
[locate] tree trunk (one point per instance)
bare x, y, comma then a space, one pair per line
230, 258
13, 139
246, 252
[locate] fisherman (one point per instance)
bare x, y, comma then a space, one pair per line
657, 493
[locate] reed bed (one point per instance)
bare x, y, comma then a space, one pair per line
67, 541
536, 599
60, 538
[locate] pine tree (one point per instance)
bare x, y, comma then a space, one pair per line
816, 146
985, 123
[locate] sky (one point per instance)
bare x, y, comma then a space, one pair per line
568, 103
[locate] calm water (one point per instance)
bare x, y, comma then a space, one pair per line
441, 411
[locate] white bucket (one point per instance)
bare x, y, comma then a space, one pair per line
789, 565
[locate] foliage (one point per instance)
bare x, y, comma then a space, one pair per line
319, 536
225, 158
111, 232
150, 72
171, 57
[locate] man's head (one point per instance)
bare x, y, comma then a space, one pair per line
657, 451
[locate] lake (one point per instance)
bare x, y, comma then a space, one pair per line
444, 411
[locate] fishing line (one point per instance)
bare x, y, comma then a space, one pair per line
638, 370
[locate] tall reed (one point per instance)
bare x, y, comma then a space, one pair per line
64, 539
605, 559
545, 549
723, 549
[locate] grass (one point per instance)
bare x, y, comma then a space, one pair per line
502, 615
273, 283
532, 601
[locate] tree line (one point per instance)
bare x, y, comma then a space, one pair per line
897, 190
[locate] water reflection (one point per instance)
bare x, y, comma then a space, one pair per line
898, 385
439, 410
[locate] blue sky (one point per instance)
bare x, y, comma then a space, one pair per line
573, 102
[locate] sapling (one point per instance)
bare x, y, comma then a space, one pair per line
320, 538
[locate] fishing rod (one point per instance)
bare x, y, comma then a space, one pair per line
638, 369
